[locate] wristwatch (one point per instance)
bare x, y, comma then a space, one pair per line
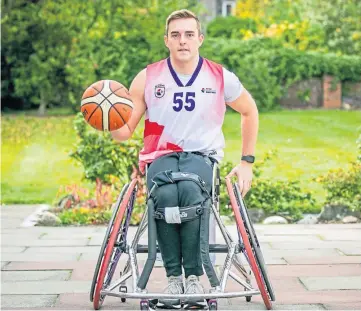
248, 158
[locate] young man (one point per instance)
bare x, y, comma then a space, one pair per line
184, 98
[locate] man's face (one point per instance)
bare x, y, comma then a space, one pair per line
183, 39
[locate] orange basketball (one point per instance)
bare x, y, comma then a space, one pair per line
106, 105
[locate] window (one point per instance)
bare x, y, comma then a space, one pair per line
228, 7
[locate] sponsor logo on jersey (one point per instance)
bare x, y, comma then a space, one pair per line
159, 90
208, 90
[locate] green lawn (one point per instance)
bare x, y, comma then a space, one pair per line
35, 160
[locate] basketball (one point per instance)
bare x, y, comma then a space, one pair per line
106, 105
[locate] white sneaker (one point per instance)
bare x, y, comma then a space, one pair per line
175, 286
193, 286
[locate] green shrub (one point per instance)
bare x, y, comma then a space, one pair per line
85, 216
230, 27
359, 148
274, 197
343, 186
103, 157
267, 69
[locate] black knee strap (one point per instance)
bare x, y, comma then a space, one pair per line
169, 177
187, 213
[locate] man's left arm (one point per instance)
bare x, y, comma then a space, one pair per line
247, 107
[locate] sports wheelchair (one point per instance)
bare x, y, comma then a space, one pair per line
115, 245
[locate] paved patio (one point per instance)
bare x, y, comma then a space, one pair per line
312, 267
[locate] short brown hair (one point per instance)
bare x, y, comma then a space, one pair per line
182, 14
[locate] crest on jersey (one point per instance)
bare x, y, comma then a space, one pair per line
159, 90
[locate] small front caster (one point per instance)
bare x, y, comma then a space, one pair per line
212, 304
144, 305
123, 289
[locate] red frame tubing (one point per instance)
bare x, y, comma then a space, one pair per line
110, 245
247, 245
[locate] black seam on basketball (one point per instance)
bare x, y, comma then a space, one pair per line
93, 95
97, 89
94, 103
117, 113
112, 92
93, 112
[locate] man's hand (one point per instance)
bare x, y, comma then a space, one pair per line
245, 174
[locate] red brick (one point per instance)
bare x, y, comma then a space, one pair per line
331, 93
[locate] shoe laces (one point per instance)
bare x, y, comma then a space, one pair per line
193, 285
175, 286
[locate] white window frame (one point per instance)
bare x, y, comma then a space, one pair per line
224, 7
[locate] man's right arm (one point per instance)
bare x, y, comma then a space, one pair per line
136, 91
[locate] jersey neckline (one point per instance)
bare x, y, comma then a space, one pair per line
193, 77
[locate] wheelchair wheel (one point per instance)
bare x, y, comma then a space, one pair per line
254, 242
248, 244
105, 241
114, 243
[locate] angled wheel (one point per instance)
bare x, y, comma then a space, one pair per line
246, 232
254, 242
114, 243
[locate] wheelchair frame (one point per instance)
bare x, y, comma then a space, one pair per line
115, 244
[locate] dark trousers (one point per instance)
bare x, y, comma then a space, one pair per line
180, 243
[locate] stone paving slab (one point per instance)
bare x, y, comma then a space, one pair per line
310, 297
343, 306
24, 301
45, 288
4, 264
350, 251
63, 249
39, 256
314, 270
36, 260
21, 276
46, 265
328, 283
285, 253
13, 249
348, 245
325, 260
291, 238
38, 242
74, 236
73, 302
341, 236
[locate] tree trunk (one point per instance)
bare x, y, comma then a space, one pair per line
42, 107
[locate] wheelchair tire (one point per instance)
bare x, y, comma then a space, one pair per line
249, 250
105, 241
255, 244
113, 234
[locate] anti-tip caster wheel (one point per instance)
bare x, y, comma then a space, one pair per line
123, 289
144, 305
248, 298
212, 304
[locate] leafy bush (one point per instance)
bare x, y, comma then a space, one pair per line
359, 148
343, 186
85, 216
274, 197
231, 27
103, 157
110, 165
267, 69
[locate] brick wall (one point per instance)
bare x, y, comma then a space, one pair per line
331, 93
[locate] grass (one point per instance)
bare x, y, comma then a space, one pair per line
35, 161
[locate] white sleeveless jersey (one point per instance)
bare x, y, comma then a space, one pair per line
185, 117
